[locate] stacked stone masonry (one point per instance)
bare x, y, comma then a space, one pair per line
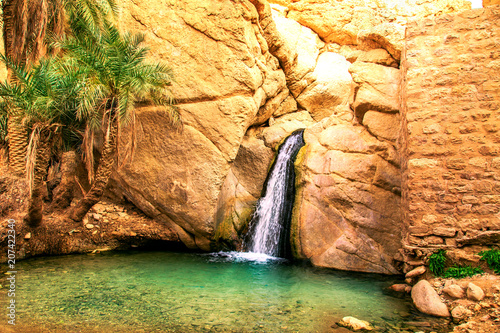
450, 104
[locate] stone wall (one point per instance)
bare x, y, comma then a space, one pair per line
451, 138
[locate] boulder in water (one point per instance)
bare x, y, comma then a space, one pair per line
355, 324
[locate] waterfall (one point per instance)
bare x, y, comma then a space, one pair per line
269, 230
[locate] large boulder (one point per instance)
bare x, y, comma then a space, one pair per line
226, 81
427, 300
346, 213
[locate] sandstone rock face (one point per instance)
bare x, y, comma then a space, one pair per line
346, 211
226, 80
382, 125
367, 23
389, 36
281, 127
487, 3
378, 88
319, 81
331, 86
306, 44
241, 190
427, 300
378, 56
246, 77
334, 22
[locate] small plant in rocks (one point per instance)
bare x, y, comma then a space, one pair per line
437, 261
492, 258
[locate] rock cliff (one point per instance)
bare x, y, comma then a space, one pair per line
248, 74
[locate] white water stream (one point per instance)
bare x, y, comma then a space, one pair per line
272, 216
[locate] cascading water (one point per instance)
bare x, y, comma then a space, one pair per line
269, 231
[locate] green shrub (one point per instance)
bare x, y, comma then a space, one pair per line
460, 272
492, 258
437, 261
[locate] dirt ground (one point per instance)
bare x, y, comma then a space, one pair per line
107, 226
484, 315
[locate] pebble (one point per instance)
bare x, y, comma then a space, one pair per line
89, 226
27, 236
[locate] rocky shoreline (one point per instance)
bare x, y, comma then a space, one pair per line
472, 303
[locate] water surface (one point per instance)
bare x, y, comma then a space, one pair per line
184, 292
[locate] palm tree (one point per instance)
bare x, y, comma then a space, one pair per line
119, 78
47, 94
26, 25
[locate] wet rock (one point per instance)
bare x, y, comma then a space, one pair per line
399, 287
427, 300
355, 324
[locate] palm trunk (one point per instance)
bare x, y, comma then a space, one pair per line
18, 143
35, 204
14, 22
63, 194
106, 163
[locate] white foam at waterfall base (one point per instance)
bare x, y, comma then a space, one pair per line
233, 256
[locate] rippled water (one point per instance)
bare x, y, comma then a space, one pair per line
183, 292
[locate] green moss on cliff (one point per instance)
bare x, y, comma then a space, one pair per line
299, 189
